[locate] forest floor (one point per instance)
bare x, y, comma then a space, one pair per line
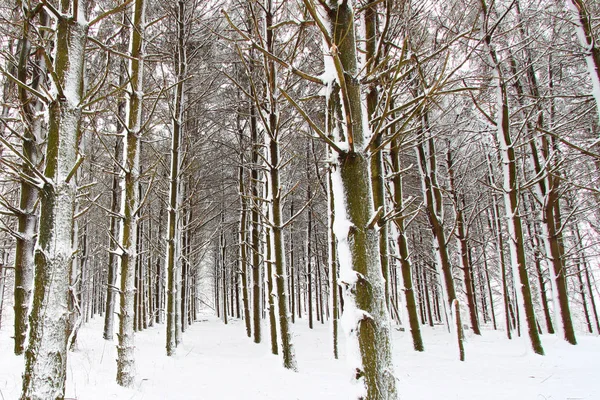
217, 361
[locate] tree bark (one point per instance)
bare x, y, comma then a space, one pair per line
405, 264
130, 199
46, 354
510, 189
365, 316
33, 135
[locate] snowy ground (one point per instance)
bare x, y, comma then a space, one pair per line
218, 361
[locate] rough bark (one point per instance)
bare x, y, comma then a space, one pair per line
365, 315
46, 354
33, 135
130, 199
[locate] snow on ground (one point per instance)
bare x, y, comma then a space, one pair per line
217, 361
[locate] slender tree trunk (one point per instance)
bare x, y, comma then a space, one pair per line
223, 268
160, 271
111, 289
2, 284
333, 267
269, 281
309, 266
409, 293
254, 223
510, 188
292, 266
130, 199
274, 164
173, 232
31, 108
376, 160
461, 234
495, 224
433, 207
489, 286
243, 244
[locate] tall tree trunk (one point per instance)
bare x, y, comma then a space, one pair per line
274, 164
434, 210
461, 234
223, 268
489, 285
3, 269
333, 267
254, 224
365, 316
174, 195
309, 264
495, 223
33, 136
113, 233
583, 21
510, 189
160, 270
46, 354
130, 198
243, 236
546, 166
405, 265
376, 160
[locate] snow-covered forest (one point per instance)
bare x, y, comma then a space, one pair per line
311, 199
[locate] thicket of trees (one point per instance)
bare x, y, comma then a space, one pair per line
364, 164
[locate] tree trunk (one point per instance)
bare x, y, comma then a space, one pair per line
274, 164
111, 286
31, 108
243, 244
130, 199
254, 223
461, 234
365, 316
376, 161
433, 208
409, 293
174, 195
46, 354
584, 29
510, 189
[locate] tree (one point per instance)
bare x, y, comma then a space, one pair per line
46, 354
365, 316
582, 19
173, 232
510, 187
31, 106
130, 206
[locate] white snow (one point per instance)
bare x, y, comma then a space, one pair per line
218, 361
